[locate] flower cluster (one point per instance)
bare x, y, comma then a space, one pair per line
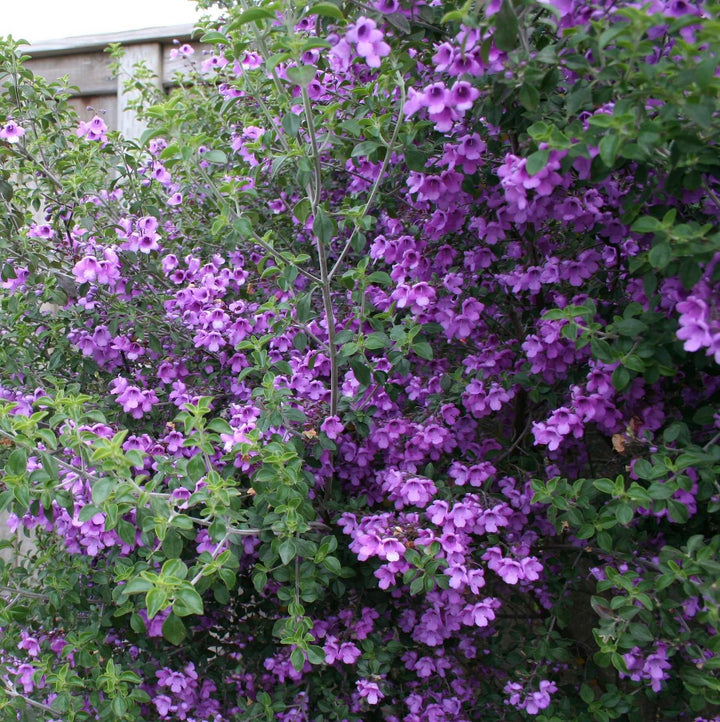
95, 129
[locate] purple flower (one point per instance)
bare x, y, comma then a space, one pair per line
95, 129
368, 40
11, 132
481, 613
391, 549
463, 95
86, 269
332, 427
26, 674
369, 690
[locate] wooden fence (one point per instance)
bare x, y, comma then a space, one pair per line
87, 65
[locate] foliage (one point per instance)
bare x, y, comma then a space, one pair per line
377, 380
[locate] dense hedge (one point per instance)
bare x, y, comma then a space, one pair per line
378, 380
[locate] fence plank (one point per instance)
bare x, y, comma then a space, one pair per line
87, 66
90, 71
151, 55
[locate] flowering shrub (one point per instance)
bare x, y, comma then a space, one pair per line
378, 380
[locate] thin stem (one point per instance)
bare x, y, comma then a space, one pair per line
22, 593
378, 180
10, 689
317, 169
314, 193
278, 257
214, 555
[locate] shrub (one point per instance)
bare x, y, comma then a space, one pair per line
377, 380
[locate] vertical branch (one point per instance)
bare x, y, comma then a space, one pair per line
378, 180
314, 191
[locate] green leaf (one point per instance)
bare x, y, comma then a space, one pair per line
88, 512
136, 586
220, 426
578, 99
173, 629
506, 27
287, 550
328, 10
16, 463
602, 351
607, 486
700, 113
196, 468
174, 569
399, 21
415, 160
624, 514
315, 654
642, 468
302, 75
678, 511
291, 125
172, 544
187, 601
297, 657
660, 491
380, 277
215, 156
634, 363
6, 190
155, 601
366, 148
631, 327
454, 16
659, 255
252, 14
377, 340
332, 564
705, 72
609, 147
361, 371
537, 161
529, 96
302, 210
260, 579
210, 37
323, 226
423, 349
620, 378
690, 272
646, 224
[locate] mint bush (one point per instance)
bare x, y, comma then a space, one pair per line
377, 380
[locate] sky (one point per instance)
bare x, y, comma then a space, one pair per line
40, 20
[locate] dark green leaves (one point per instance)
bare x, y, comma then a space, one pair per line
323, 226
326, 9
301, 75
537, 161
173, 629
529, 96
506, 27
16, 463
252, 15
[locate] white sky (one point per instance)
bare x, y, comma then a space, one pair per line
39, 20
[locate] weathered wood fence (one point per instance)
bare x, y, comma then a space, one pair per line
87, 65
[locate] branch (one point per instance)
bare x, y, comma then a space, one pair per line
378, 180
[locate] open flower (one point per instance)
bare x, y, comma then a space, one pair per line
11, 132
